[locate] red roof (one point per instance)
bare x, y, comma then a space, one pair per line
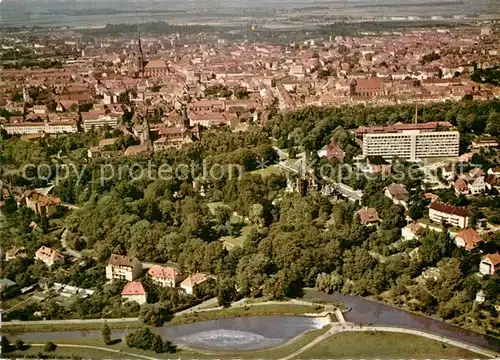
368, 215
134, 288
163, 272
449, 209
494, 259
470, 237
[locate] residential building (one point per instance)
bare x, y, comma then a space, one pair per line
490, 264
191, 281
485, 142
408, 141
134, 291
15, 253
173, 137
55, 127
123, 267
43, 205
48, 256
163, 275
468, 239
98, 119
397, 193
368, 216
410, 231
448, 214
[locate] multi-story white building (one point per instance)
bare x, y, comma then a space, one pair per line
41, 127
123, 267
448, 214
98, 120
409, 141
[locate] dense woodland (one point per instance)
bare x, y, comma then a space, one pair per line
293, 241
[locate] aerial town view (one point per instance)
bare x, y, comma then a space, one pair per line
206, 179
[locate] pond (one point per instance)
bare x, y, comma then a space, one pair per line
240, 333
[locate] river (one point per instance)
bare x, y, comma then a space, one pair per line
365, 311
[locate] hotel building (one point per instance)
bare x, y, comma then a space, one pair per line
409, 141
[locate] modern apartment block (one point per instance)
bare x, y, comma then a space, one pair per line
41, 127
409, 141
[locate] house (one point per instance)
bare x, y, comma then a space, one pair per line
397, 193
163, 275
15, 253
378, 165
461, 186
106, 148
334, 151
448, 214
48, 256
448, 172
134, 291
480, 297
484, 142
368, 216
490, 264
468, 239
172, 137
431, 197
191, 281
43, 205
410, 231
123, 267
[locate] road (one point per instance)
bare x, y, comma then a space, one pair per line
68, 250
336, 328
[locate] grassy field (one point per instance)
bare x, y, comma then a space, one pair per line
284, 309
231, 242
273, 169
12, 329
379, 345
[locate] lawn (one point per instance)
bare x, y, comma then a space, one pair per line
17, 328
379, 345
231, 242
270, 170
279, 309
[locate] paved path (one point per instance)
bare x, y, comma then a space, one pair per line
337, 328
102, 349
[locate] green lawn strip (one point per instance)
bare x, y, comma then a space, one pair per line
238, 240
379, 345
19, 328
278, 309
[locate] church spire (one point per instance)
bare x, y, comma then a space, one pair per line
140, 60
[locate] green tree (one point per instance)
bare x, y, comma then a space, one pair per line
105, 333
49, 346
19, 345
6, 346
226, 292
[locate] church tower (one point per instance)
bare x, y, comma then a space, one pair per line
140, 57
